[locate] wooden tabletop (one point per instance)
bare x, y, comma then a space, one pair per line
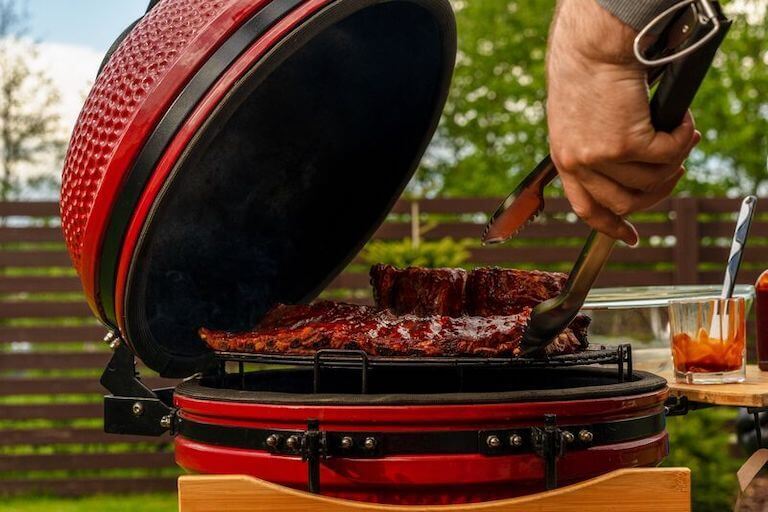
751, 393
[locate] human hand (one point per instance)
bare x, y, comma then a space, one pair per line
611, 160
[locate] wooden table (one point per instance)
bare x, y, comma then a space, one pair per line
752, 394
628, 490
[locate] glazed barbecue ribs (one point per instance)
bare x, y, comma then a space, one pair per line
455, 292
304, 329
418, 312
419, 291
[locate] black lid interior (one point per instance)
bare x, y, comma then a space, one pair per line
290, 176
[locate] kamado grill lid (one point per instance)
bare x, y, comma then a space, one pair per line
234, 154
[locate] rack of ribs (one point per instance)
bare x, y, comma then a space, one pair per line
304, 329
418, 312
419, 291
456, 292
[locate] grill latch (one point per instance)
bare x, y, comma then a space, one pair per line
549, 443
314, 447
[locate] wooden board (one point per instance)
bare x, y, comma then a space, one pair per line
628, 490
752, 393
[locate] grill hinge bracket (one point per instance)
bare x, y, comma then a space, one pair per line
132, 408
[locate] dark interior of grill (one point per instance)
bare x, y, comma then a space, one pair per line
290, 176
389, 385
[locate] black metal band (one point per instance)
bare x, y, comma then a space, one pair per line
380, 444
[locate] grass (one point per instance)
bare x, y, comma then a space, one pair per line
129, 503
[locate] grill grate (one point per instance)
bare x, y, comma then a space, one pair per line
324, 360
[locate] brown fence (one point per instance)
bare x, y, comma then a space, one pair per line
51, 354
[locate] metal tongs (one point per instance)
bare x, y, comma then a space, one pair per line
683, 51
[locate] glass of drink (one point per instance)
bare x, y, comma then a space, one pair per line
708, 340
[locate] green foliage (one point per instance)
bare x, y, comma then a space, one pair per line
145, 503
702, 440
443, 253
494, 128
731, 109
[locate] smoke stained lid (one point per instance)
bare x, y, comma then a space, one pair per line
268, 169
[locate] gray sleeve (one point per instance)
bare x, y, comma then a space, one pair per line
636, 13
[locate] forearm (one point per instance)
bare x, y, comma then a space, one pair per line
586, 30
636, 13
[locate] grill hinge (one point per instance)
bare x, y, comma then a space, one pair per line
132, 408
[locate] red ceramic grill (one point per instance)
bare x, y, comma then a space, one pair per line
235, 154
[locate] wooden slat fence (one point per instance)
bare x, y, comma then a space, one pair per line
51, 354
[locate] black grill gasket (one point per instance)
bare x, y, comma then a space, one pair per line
231, 389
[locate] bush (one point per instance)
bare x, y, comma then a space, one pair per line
704, 441
442, 253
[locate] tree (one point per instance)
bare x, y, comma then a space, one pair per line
494, 129
29, 123
732, 110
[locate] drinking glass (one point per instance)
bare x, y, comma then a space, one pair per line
708, 340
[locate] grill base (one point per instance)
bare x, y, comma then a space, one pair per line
431, 433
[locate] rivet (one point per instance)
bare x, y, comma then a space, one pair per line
370, 443
137, 409
272, 440
292, 442
347, 442
585, 436
569, 437
493, 441
115, 344
166, 421
516, 440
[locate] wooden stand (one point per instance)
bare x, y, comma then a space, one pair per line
628, 490
752, 394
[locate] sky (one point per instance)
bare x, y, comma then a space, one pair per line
91, 24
